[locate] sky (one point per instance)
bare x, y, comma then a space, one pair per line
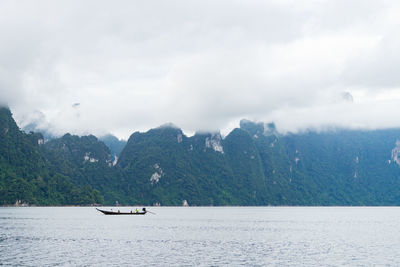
97, 67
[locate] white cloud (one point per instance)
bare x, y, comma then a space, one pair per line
133, 65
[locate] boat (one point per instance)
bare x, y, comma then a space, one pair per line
108, 212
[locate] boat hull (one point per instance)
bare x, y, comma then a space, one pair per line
107, 212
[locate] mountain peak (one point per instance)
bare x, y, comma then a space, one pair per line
258, 128
168, 125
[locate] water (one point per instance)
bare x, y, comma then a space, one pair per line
217, 236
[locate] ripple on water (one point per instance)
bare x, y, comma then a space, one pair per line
201, 236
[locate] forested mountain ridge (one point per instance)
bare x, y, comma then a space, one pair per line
114, 144
255, 165
85, 160
25, 174
168, 168
342, 167
252, 165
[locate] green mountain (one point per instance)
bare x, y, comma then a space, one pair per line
348, 167
114, 144
255, 165
86, 161
25, 174
164, 166
252, 165
340, 167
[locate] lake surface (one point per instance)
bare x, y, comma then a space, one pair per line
205, 236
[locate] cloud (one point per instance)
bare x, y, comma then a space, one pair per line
205, 65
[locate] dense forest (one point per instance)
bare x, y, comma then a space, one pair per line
27, 176
253, 165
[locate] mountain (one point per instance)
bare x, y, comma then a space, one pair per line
114, 144
247, 169
33, 127
165, 166
25, 174
342, 167
255, 165
88, 162
252, 165
348, 167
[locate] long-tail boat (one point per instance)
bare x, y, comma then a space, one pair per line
108, 212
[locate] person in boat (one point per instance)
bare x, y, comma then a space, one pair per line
137, 211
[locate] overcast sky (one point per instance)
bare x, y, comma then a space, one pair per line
122, 66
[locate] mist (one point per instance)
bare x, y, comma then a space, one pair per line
100, 67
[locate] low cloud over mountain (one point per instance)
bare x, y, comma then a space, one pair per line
202, 65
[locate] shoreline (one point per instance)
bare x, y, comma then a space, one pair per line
227, 206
